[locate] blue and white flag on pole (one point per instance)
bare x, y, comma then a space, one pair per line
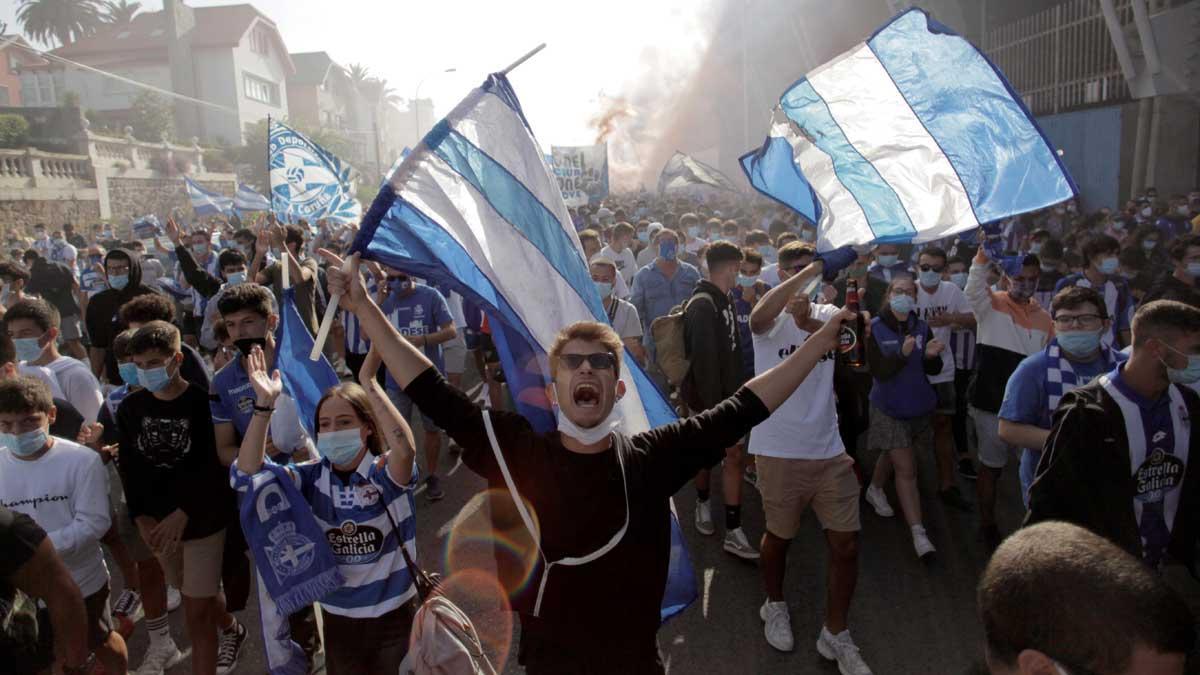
476, 207
246, 200
308, 181
911, 136
206, 202
304, 380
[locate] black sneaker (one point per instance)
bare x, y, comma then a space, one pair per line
966, 469
433, 489
229, 648
953, 498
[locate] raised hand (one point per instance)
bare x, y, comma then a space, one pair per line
173, 231
266, 387
349, 287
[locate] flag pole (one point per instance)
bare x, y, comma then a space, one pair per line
285, 281
331, 307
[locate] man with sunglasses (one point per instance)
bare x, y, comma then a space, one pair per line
601, 498
1073, 358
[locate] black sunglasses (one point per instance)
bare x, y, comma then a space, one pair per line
930, 268
598, 360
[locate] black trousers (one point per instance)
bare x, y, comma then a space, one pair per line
962, 379
540, 657
374, 646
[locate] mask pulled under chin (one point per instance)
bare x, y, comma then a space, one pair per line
594, 434
245, 345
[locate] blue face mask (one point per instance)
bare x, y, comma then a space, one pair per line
340, 447
1035, 248
26, 444
118, 281
930, 279
605, 288
745, 281
154, 379
959, 279
129, 373
1186, 375
1109, 265
237, 278
28, 349
199, 250
667, 250
1079, 342
901, 304
888, 259
643, 236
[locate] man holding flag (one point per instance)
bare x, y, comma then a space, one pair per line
601, 497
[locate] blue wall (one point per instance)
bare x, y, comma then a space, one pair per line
1091, 145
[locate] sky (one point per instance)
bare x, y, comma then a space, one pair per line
594, 51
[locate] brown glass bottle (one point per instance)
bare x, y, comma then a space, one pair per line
851, 340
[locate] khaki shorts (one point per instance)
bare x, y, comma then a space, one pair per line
788, 486
195, 566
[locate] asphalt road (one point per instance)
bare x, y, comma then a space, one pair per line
908, 617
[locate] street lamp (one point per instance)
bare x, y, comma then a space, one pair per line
417, 108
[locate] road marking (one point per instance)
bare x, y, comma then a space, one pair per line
708, 577
467, 511
456, 467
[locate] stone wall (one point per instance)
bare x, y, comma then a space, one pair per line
25, 213
131, 198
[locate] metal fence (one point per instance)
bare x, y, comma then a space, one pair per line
1062, 58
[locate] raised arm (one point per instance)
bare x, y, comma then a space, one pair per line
763, 316
396, 432
777, 384
979, 297
266, 390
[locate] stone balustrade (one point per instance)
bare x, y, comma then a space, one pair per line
34, 168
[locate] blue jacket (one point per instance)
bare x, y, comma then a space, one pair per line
901, 389
653, 294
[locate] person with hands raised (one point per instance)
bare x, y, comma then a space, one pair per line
367, 620
901, 353
601, 496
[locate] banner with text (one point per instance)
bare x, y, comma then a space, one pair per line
582, 172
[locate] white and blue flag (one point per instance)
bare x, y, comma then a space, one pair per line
476, 207
911, 136
246, 200
205, 202
308, 181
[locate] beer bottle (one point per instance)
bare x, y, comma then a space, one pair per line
850, 341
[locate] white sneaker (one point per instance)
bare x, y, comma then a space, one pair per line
737, 544
841, 648
174, 599
921, 543
778, 626
160, 657
878, 500
704, 524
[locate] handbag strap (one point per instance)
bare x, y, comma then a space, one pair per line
420, 578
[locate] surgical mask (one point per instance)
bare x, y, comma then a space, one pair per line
1079, 342
236, 278
643, 237
39, 234
199, 249
341, 446
1109, 265
26, 444
888, 259
1049, 267
1035, 248
154, 379
129, 373
1146, 212
767, 252
694, 232
248, 251
667, 250
1021, 289
930, 279
1149, 244
246, 345
118, 281
605, 288
1186, 375
28, 349
959, 279
588, 436
901, 304
745, 281
107, 234
1182, 210
1193, 269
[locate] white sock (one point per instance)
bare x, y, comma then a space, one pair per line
159, 629
918, 529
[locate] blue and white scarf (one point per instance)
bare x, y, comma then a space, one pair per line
294, 563
1061, 378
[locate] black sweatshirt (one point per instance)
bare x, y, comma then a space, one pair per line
710, 338
579, 505
168, 460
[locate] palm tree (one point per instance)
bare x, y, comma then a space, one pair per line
63, 20
359, 74
120, 12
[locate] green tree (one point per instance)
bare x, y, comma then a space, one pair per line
13, 131
120, 12
150, 116
64, 21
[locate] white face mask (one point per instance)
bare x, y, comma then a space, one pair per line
593, 435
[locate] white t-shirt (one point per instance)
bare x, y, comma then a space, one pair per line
62, 252
769, 274
66, 492
455, 302
80, 387
646, 256
42, 373
623, 317
806, 425
625, 260
948, 298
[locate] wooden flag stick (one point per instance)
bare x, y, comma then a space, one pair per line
327, 320
523, 59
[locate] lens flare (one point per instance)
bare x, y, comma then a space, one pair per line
489, 536
480, 596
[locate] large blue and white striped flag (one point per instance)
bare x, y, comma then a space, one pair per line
476, 207
308, 181
246, 200
911, 136
205, 202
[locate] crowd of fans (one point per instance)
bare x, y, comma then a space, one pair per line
137, 398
